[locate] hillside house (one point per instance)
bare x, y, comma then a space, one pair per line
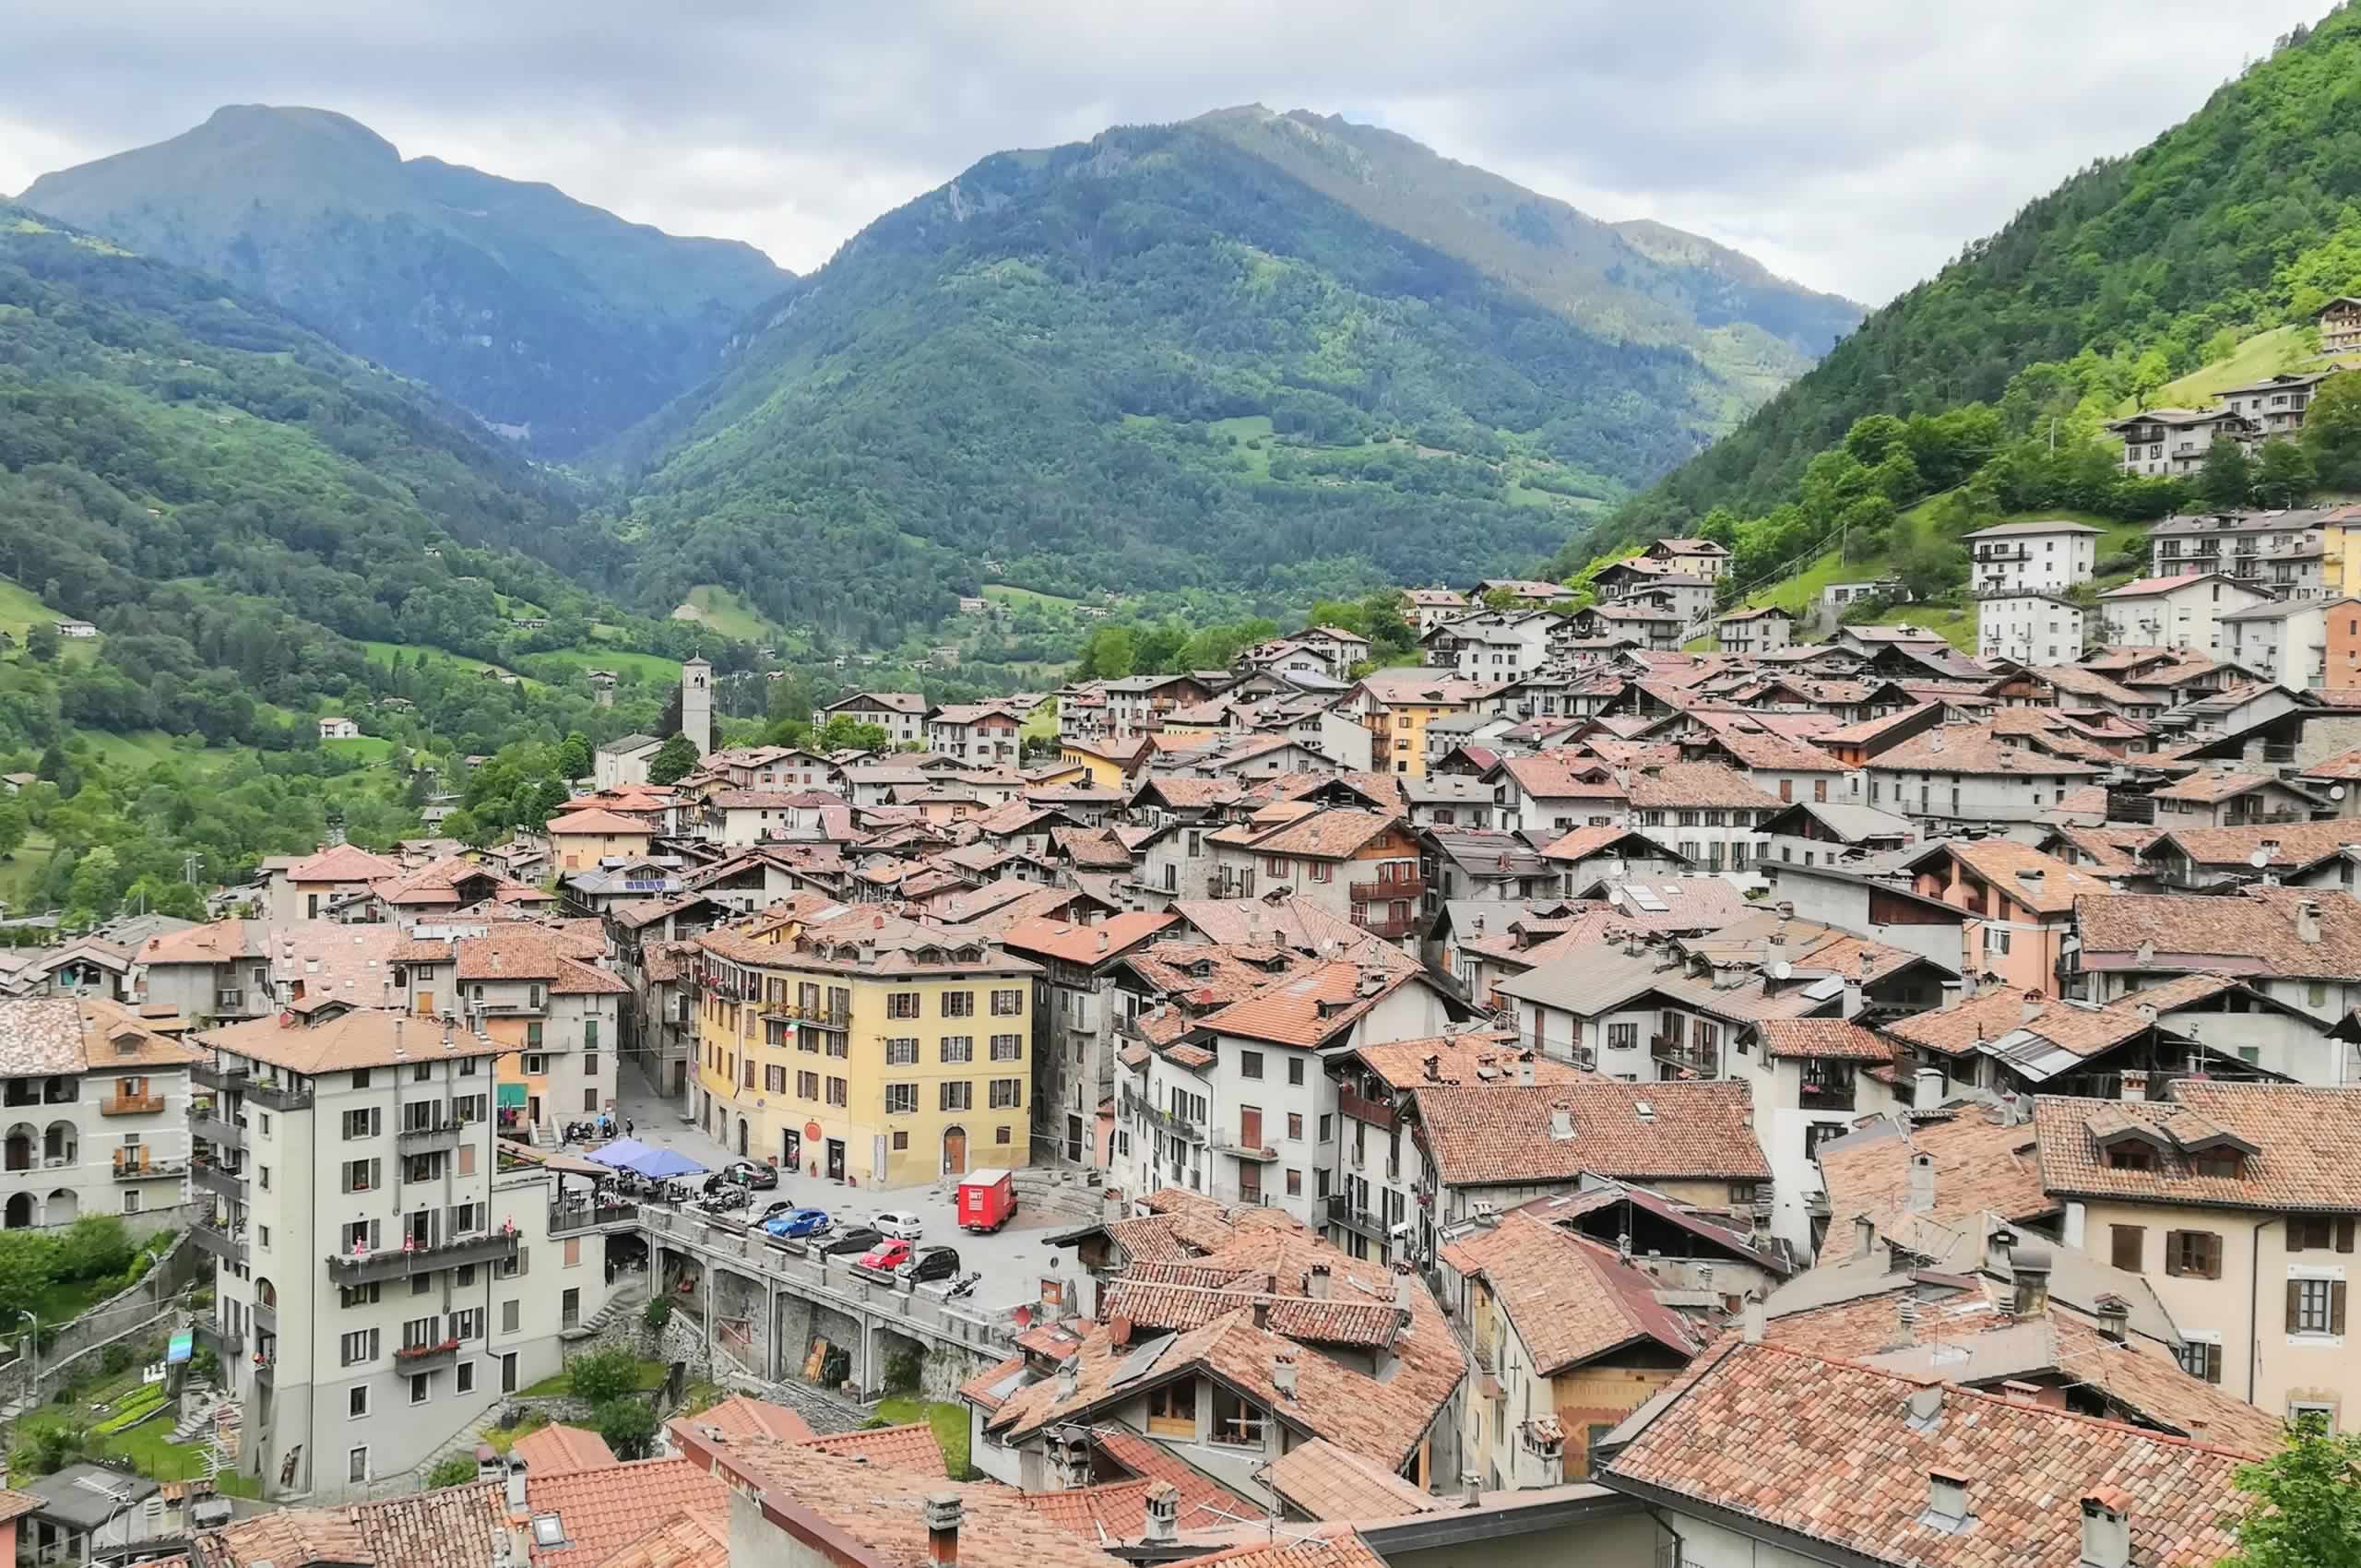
2029, 628
1763, 629
2173, 613
2039, 557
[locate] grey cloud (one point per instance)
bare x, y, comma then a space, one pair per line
1853, 144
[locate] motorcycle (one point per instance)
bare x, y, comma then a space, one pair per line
964, 1285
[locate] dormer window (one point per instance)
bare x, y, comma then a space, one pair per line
2225, 1162
2129, 1155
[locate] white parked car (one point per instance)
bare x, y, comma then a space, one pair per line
900, 1224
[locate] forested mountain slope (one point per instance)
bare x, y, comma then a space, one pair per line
230, 498
2136, 271
558, 321
1171, 357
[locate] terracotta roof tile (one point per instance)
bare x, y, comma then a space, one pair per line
690, 1538
1974, 748
1328, 1482
1980, 1165
1695, 784
2255, 932
1691, 1131
1571, 1299
429, 1529
1460, 1059
1828, 1449
558, 1449
1086, 945
741, 1415
604, 1510
1312, 1006
912, 1448
2310, 1141
1824, 1040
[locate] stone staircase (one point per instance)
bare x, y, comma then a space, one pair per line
198, 1401
627, 1301
1060, 1194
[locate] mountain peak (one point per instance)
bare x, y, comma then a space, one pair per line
274, 123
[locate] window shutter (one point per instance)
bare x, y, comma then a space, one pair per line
2344, 1235
2295, 1292
2212, 1253
2295, 1235
2172, 1251
2336, 1308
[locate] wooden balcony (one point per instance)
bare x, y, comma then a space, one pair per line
137, 1169
1380, 892
400, 1263
131, 1105
1684, 1057
1362, 1109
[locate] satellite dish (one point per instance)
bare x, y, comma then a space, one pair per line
1783, 970
2336, 792
1615, 895
2259, 859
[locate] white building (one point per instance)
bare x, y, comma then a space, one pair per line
2044, 557
2180, 612
338, 729
2029, 628
381, 1283
2285, 641
1765, 629
624, 761
96, 1107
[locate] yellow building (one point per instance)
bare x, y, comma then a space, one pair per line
2341, 552
1398, 704
1106, 762
868, 1047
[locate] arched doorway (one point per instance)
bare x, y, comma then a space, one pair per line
60, 1144
741, 1137
955, 1151
22, 1138
61, 1208
20, 1211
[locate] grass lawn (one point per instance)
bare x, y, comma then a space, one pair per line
651, 1376
949, 1421
727, 614
20, 607
503, 1441
22, 871
2265, 353
143, 749
383, 653
372, 748
1009, 593
564, 663
1042, 725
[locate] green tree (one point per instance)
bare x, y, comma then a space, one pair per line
844, 733
673, 761
457, 1469
2225, 480
602, 1376
97, 884
2332, 432
41, 643
2307, 1512
629, 1427
15, 823
2284, 475
574, 758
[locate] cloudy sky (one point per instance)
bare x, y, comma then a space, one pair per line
1854, 144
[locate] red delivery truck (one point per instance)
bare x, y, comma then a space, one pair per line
987, 1198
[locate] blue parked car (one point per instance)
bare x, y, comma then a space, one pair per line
797, 1222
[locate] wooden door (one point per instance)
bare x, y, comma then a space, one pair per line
1250, 1127
955, 1151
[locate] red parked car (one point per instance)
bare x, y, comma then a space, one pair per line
886, 1256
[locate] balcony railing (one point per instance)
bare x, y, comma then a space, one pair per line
262, 1091
1367, 1221
1378, 892
219, 1239
1164, 1121
1682, 1055
1362, 1109
1827, 1095
228, 1345
422, 1355
589, 1216
266, 1320
214, 1131
136, 1169
131, 1105
820, 1018
433, 1136
1393, 928
213, 1176
1230, 1144
400, 1263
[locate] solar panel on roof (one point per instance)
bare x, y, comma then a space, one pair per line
1140, 1362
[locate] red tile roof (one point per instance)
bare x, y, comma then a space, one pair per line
1570, 1299
602, 1511
1501, 1135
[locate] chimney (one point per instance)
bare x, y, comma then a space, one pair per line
2115, 1316
1263, 1312
2034, 1004
1524, 1069
1750, 1318
1865, 1235
2031, 881
1163, 1512
1561, 1121
1996, 1249
2135, 1085
1283, 1375
1069, 1378
1433, 1068
2307, 921
1946, 1498
942, 1528
1853, 1001
1970, 983
1471, 1488
2029, 1268
2107, 1528
1316, 1286
518, 1510
1922, 1183
1906, 1320
1623, 1246
1926, 1089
